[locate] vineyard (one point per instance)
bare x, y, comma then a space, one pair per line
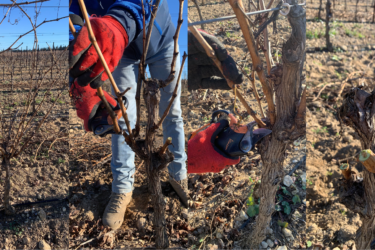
34, 147
16, 65
221, 217
334, 216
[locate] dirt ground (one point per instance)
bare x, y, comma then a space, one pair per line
219, 217
90, 189
39, 175
333, 215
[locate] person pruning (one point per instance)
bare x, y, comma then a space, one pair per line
223, 141
118, 26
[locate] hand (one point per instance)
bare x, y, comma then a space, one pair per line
203, 73
204, 156
84, 62
87, 103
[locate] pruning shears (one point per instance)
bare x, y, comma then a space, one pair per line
99, 123
235, 140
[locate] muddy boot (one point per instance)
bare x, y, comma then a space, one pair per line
181, 188
115, 211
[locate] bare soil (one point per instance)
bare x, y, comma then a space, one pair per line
334, 214
39, 176
90, 189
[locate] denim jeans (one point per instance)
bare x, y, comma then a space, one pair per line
125, 75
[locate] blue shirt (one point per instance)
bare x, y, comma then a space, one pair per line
129, 14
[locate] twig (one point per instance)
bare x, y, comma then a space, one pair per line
270, 4
17, 4
150, 26
203, 242
14, 154
247, 17
175, 38
257, 64
165, 146
347, 158
109, 109
174, 93
37, 150
84, 243
10, 47
23, 129
342, 87
297, 165
200, 13
103, 160
255, 90
7, 12
54, 143
126, 90
266, 43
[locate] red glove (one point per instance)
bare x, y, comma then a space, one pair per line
204, 156
84, 62
87, 103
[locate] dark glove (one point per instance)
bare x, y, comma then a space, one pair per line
203, 73
203, 155
87, 103
84, 62
77, 23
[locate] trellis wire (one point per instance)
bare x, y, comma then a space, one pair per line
234, 16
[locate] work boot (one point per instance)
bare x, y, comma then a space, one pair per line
181, 188
115, 211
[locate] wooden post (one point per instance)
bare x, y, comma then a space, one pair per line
328, 16
11, 80
320, 8
199, 12
356, 11
52, 62
8, 208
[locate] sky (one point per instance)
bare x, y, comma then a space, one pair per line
16, 23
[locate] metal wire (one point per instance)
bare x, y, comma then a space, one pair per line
234, 16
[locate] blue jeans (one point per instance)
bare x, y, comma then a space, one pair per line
126, 75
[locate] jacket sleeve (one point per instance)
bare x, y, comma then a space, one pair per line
129, 14
75, 15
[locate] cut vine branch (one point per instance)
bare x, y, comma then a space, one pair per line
155, 159
257, 64
211, 54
